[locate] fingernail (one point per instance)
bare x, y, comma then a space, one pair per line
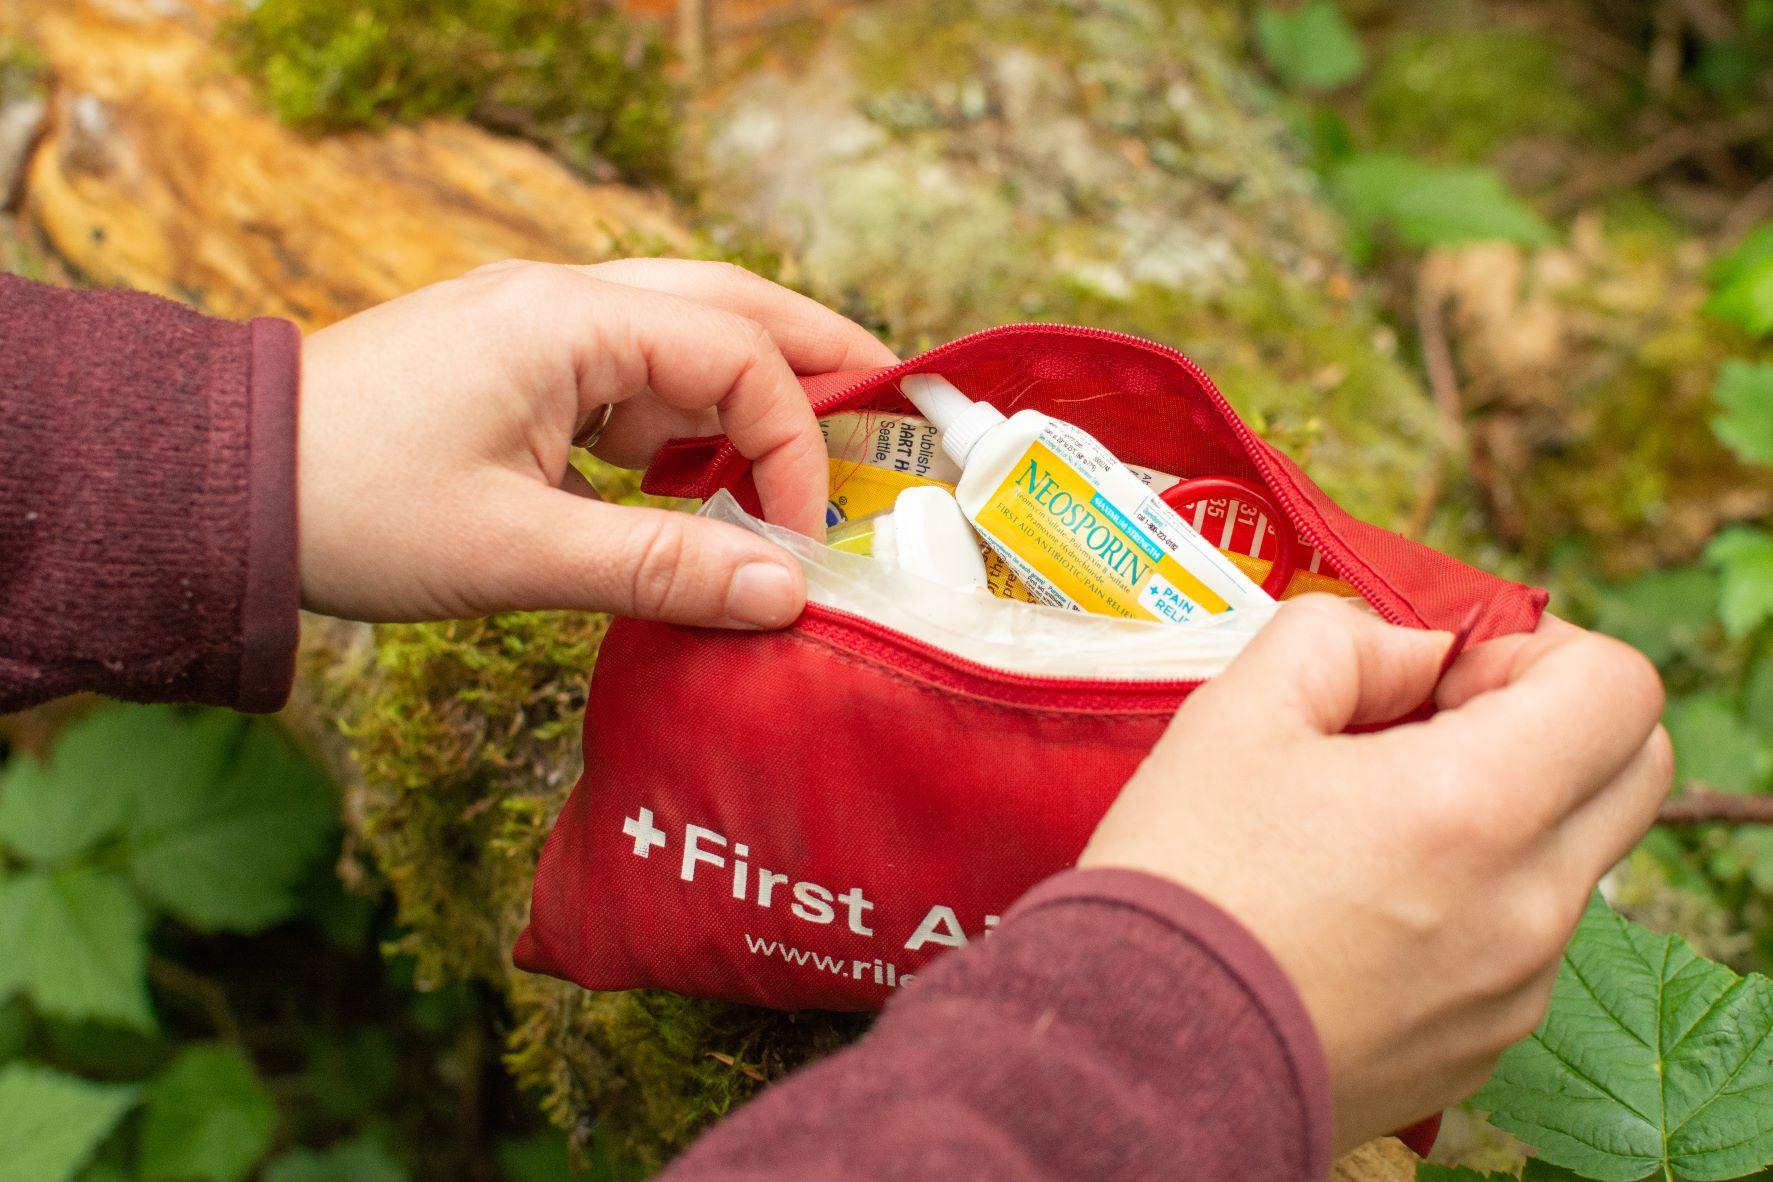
762, 596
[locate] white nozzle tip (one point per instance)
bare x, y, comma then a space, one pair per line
960, 420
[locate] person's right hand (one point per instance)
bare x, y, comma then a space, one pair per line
1418, 884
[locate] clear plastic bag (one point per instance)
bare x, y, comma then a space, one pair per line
1003, 633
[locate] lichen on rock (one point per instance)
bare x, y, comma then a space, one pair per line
939, 166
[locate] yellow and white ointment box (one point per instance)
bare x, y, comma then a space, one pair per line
1078, 528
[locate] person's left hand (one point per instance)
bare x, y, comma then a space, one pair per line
435, 431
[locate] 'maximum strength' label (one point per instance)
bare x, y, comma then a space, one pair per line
1085, 533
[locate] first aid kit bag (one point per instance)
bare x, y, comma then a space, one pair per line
804, 819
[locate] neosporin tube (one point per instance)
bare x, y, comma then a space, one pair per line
1078, 528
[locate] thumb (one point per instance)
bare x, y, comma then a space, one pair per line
1323, 665
575, 553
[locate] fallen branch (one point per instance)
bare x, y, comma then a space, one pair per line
1443, 384
1667, 149
205, 994
1702, 808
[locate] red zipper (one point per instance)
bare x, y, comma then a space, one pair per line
1347, 565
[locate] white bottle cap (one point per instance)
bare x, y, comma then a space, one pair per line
961, 421
927, 535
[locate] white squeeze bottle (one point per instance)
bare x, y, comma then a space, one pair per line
924, 534
1082, 531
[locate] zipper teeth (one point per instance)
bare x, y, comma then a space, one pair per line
1380, 598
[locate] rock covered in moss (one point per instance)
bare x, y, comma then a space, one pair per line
940, 166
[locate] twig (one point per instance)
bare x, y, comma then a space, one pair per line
1443, 385
1708, 20
208, 996
1700, 808
1671, 147
1749, 211
693, 23
1662, 68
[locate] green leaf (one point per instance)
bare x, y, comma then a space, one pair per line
207, 1118
353, 1161
50, 1123
1752, 846
1746, 302
15, 1030
544, 1158
1744, 558
1661, 613
1757, 697
1434, 205
1427, 1171
50, 812
1651, 1059
1744, 392
224, 847
1311, 48
75, 941
1714, 746
1749, 256
103, 1171
1539, 1170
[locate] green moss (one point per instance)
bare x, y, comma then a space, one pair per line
572, 75
1313, 374
955, 164
22, 69
1463, 94
1595, 453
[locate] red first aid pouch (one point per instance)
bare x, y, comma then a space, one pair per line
803, 819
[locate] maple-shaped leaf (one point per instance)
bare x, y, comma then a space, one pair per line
1428, 204
1715, 747
1743, 557
50, 1123
1432, 1172
1662, 613
224, 847
76, 944
352, 1161
1743, 284
101, 765
1744, 392
1312, 48
207, 1118
1651, 1060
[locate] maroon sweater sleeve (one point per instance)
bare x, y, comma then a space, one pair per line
1114, 1026
147, 500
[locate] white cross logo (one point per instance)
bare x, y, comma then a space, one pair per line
644, 832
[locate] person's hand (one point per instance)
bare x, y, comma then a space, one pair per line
435, 431
1418, 884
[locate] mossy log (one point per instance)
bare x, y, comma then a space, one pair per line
1114, 167
158, 170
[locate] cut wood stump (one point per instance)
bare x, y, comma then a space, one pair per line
158, 170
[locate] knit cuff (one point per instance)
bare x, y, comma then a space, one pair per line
271, 602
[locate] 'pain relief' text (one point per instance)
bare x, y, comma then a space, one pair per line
705, 855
